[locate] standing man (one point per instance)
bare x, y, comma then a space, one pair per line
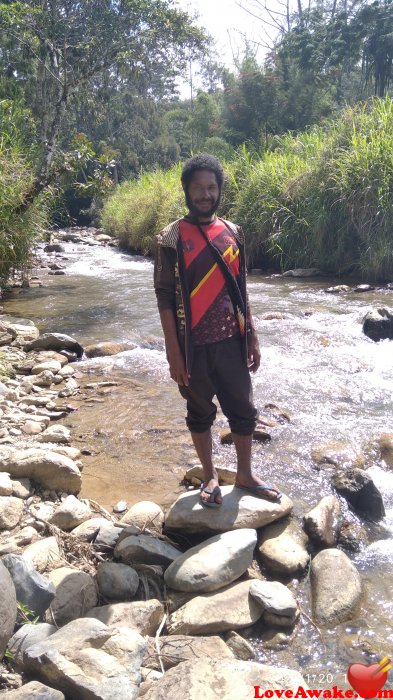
210, 339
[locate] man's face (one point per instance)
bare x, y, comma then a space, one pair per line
203, 194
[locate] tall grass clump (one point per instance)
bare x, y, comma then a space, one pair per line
139, 209
18, 231
324, 198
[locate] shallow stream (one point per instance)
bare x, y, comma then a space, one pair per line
317, 365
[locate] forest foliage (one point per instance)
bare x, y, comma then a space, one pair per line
92, 88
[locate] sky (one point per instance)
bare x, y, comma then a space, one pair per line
227, 22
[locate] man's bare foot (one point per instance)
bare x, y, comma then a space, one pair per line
207, 490
259, 487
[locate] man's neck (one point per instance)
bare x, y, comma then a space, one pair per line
202, 219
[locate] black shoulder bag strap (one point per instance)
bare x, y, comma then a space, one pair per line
232, 285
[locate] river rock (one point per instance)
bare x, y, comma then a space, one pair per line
239, 646
335, 587
55, 341
239, 509
107, 537
25, 637
49, 469
230, 609
5, 484
145, 514
282, 547
76, 594
386, 447
35, 691
259, 435
142, 549
143, 615
85, 660
359, 490
70, 513
66, 371
322, 523
57, 434
26, 331
8, 610
32, 427
177, 648
71, 452
353, 537
378, 324
54, 248
107, 348
225, 475
337, 454
88, 530
303, 272
10, 545
11, 511
274, 598
272, 620
116, 581
223, 678
214, 563
51, 366
32, 589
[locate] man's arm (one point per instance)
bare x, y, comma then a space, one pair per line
177, 365
164, 284
253, 350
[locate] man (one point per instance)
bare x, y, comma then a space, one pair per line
210, 339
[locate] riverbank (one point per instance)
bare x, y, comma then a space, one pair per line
268, 532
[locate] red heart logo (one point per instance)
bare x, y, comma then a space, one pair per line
367, 680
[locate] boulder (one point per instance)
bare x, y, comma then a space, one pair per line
108, 348
70, 513
107, 537
177, 648
303, 272
55, 341
26, 330
35, 691
8, 610
145, 514
282, 547
85, 659
228, 609
214, 563
54, 248
11, 544
11, 511
239, 646
143, 549
378, 324
337, 453
76, 594
56, 433
50, 469
274, 598
322, 523
225, 475
239, 509
43, 553
88, 530
386, 447
52, 366
223, 678
116, 581
32, 589
335, 587
25, 637
359, 490
143, 615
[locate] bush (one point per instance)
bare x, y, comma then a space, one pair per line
139, 209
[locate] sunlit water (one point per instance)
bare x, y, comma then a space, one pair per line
316, 364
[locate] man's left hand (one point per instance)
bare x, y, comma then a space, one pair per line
254, 354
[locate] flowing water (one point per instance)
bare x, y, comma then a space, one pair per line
317, 365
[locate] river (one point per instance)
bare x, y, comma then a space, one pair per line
317, 365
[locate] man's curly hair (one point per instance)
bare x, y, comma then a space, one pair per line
202, 161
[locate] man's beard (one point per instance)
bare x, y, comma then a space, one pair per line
206, 213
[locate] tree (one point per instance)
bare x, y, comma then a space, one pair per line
71, 45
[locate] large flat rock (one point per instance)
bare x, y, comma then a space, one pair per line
228, 679
239, 510
49, 469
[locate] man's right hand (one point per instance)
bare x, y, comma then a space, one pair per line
177, 368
